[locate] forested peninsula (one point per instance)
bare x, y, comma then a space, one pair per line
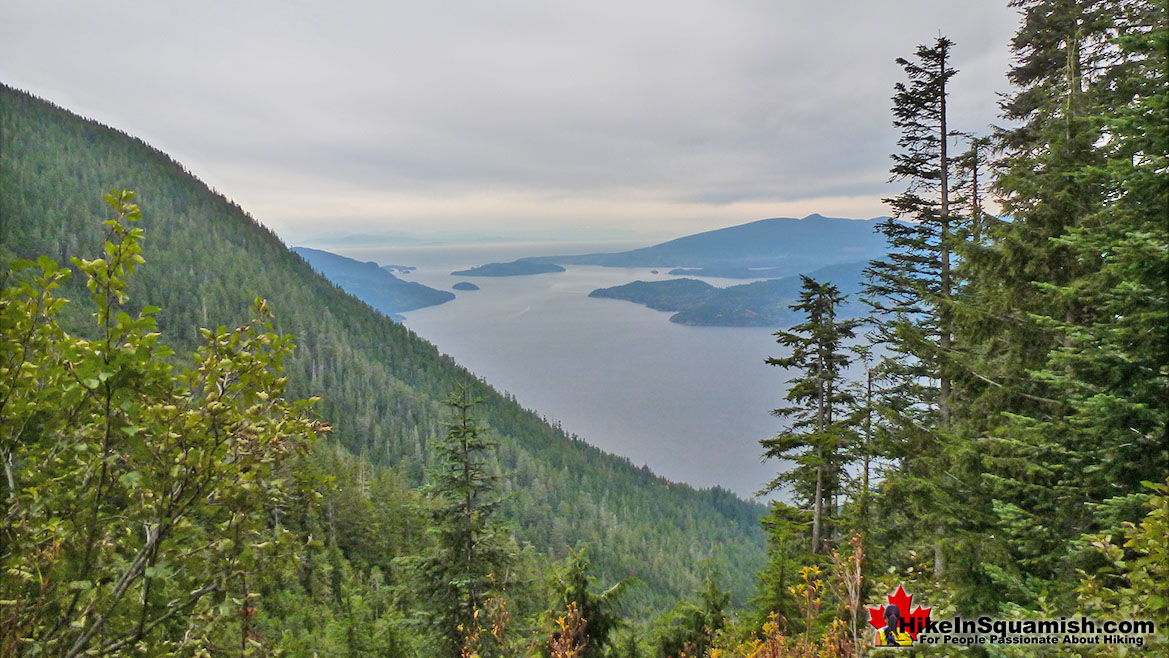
521, 267
375, 285
757, 304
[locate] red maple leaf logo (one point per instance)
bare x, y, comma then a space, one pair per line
913, 622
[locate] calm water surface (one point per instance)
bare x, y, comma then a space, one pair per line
689, 402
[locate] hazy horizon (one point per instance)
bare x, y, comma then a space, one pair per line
605, 238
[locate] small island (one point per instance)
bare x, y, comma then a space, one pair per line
521, 267
464, 285
671, 295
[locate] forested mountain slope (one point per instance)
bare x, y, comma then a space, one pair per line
381, 384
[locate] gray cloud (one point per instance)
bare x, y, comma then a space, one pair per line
678, 115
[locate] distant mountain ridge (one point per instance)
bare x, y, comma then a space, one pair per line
373, 284
783, 246
767, 248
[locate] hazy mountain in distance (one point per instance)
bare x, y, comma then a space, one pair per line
372, 283
780, 247
768, 248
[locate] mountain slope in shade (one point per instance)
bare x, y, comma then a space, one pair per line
373, 284
381, 385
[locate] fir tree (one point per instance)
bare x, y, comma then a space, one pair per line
1066, 306
470, 554
910, 292
819, 430
1112, 365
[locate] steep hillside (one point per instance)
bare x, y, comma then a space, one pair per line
381, 384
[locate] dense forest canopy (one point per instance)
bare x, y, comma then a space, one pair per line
380, 386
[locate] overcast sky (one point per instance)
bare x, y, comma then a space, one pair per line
534, 118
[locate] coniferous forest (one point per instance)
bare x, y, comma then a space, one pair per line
209, 450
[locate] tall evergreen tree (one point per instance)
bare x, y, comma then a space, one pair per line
1066, 304
1042, 193
819, 427
1112, 363
906, 289
470, 553
910, 290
